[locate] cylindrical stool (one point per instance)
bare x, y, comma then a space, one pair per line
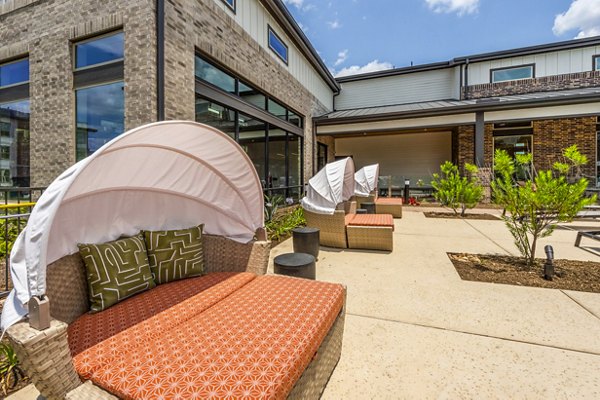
306, 240
361, 210
370, 207
299, 265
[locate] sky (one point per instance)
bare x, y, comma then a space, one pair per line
359, 36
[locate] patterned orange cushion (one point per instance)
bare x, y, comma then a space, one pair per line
371, 220
389, 200
254, 344
95, 338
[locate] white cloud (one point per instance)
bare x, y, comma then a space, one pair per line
373, 66
582, 15
297, 3
335, 24
460, 7
303, 27
342, 56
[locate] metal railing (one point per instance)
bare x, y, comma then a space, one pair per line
15, 207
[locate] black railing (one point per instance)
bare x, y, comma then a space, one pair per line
15, 207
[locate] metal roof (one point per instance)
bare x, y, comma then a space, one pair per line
448, 107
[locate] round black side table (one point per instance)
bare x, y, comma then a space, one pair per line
306, 240
370, 207
299, 265
361, 210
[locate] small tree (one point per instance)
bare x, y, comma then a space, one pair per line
456, 191
535, 206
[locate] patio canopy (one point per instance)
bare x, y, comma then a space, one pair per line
366, 180
166, 175
330, 186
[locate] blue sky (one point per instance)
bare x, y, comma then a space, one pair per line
356, 36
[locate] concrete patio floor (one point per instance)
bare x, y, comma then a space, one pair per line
415, 330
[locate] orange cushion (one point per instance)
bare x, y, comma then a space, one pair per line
95, 338
253, 344
389, 200
371, 220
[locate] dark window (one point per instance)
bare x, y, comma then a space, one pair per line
14, 73
14, 144
277, 109
215, 76
596, 63
101, 50
252, 96
215, 115
230, 4
278, 46
512, 73
100, 114
252, 138
321, 156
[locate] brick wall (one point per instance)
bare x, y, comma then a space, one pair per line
203, 25
544, 84
44, 30
464, 145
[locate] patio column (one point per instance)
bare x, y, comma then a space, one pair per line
479, 138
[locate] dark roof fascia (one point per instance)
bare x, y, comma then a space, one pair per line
283, 17
522, 51
397, 71
484, 106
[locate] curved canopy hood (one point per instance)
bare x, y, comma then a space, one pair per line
165, 175
366, 180
330, 186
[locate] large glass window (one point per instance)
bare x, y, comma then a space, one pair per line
14, 144
216, 115
277, 177
516, 145
596, 62
512, 73
295, 166
252, 138
277, 45
14, 73
109, 48
277, 109
211, 74
252, 96
321, 155
100, 116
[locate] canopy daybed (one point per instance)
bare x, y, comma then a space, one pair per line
366, 180
165, 177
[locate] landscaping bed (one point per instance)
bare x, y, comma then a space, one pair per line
582, 276
451, 215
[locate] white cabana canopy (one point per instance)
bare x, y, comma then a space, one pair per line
366, 180
166, 175
330, 186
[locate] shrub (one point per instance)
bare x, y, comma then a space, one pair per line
280, 226
456, 191
535, 206
272, 204
10, 372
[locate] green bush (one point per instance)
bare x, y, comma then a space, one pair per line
280, 226
535, 206
456, 191
9, 230
10, 372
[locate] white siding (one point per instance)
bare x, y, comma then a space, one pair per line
414, 87
406, 156
546, 64
254, 19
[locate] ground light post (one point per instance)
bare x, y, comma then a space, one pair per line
406, 190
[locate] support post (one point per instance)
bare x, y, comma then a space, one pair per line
479, 139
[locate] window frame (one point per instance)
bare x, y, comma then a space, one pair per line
596, 62
270, 31
492, 70
14, 61
232, 6
91, 39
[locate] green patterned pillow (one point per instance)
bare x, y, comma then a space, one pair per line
116, 270
176, 254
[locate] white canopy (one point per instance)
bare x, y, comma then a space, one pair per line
366, 180
166, 175
330, 186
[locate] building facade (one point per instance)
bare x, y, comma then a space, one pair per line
75, 74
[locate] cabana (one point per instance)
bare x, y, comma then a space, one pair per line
366, 180
331, 186
163, 177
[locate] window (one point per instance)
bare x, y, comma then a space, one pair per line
216, 115
215, 76
100, 116
278, 46
14, 144
516, 138
97, 51
512, 73
252, 96
14, 73
277, 109
230, 4
596, 63
321, 156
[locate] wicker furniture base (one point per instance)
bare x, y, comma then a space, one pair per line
332, 228
389, 206
370, 237
88, 391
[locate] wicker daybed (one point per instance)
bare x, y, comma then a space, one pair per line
230, 332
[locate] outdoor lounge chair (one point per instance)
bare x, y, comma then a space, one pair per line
389, 205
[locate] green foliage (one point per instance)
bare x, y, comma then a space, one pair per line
10, 372
456, 191
272, 204
535, 207
280, 227
9, 230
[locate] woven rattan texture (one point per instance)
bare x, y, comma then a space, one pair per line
370, 237
225, 255
88, 391
66, 286
332, 228
387, 207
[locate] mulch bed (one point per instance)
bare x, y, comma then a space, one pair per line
582, 276
451, 215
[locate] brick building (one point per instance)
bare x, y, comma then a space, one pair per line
74, 74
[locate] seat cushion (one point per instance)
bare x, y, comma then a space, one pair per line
96, 338
255, 343
389, 200
371, 220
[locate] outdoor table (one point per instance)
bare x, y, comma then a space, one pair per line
361, 211
299, 265
306, 240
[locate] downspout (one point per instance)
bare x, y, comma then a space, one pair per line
467, 79
460, 84
160, 60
